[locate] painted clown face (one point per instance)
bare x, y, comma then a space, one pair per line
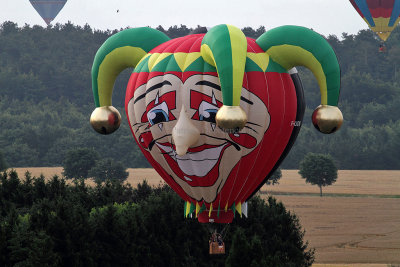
155, 110
184, 91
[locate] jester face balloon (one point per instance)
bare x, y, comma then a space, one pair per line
215, 113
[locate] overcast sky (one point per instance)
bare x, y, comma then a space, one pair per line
324, 16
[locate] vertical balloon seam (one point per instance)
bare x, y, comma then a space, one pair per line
277, 135
184, 59
299, 117
177, 189
204, 56
189, 59
184, 64
268, 102
284, 136
230, 59
160, 62
260, 145
237, 167
182, 95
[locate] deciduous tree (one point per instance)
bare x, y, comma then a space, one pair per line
108, 169
274, 179
78, 162
318, 169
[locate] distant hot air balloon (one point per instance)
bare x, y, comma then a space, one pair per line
215, 113
382, 16
48, 9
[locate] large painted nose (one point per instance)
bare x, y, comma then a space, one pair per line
184, 134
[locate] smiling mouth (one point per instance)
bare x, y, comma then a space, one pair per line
195, 163
199, 166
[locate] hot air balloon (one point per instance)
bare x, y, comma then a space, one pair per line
48, 9
382, 16
215, 113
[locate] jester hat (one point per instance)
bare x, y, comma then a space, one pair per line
225, 50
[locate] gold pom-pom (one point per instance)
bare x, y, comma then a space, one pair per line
327, 119
231, 119
105, 120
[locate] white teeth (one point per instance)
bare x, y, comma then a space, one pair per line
160, 126
196, 168
187, 178
195, 163
141, 140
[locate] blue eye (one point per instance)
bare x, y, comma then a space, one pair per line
208, 115
207, 112
159, 113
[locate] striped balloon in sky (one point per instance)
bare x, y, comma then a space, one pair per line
48, 9
382, 16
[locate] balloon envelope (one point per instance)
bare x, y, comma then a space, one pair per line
382, 16
48, 9
220, 169
179, 87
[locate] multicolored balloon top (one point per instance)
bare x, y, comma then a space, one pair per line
225, 50
382, 16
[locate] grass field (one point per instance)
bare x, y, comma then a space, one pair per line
356, 223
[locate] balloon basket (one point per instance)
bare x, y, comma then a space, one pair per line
217, 248
216, 244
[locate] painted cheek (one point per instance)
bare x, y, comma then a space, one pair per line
145, 139
244, 140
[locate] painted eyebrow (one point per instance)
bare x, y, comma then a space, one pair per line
217, 87
154, 87
210, 84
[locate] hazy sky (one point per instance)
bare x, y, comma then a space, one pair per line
324, 16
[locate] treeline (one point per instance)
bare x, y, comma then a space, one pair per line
56, 223
46, 99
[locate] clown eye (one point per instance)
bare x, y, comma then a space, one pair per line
159, 113
207, 111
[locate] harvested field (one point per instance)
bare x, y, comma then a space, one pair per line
349, 229
135, 175
348, 182
357, 222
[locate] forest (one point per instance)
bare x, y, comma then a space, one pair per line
49, 222
46, 99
